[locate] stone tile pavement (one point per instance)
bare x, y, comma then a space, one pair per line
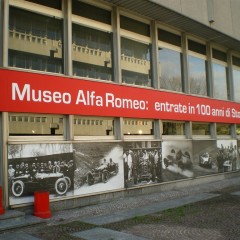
106, 220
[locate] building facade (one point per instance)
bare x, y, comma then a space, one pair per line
106, 96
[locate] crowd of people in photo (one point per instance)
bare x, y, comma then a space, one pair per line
142, 161
227, 158
25, 168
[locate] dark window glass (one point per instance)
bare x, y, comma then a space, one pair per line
236, 85
196, 47
91, 38
170, 69
220, 86
135, 62
236, 61
238, 129
134, 26
169, 37
92, 53
197, 75
222, 56
34, 61
92, 12
53, 4
201, 129
173, 128
35, 41
223, 129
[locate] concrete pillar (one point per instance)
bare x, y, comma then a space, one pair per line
185, 82
67, 37
155, 60
116, 54
209, 70
230, 76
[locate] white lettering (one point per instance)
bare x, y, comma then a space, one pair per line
113, 102
235, 114
46, 96
170, 107
89, 98
21, 96
81, 98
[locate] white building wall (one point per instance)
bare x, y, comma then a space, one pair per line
225, 13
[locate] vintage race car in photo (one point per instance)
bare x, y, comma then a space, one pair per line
182, 160
53, 182
144, 175
101, 175
205, 160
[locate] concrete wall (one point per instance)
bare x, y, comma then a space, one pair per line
225, 13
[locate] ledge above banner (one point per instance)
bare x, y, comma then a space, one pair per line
42, 93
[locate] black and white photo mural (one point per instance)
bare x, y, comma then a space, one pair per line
204, 157
39, 167
63, 169
238, 155
142, 163
99, 167
177, 162
227, 155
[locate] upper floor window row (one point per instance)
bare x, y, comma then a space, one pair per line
36, 42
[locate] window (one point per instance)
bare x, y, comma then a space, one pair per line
200, 128
35, 41
197, 65
223, 129
53, 4
39, 124
236, 78
238, 129
136, 127
169, 37
92, 42
90, 126
173, 128
220, 86
170, 61
91, 12
135, 52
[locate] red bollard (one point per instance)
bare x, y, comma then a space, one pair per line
1, 206
41, 204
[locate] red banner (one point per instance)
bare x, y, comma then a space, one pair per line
41, 93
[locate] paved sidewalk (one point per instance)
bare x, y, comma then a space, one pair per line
148, 209
124, 209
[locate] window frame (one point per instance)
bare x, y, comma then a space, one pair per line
37, 8
161, 44
221, 136
139, 136
92, 24
131, 35
237, 135
123, 33
200, 56
221, 63
197, 136
43, 11
236, 68
98, 137
177, 136
36, 138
